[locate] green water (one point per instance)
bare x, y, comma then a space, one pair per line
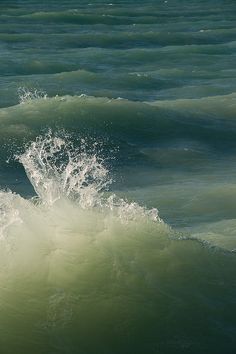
117, 177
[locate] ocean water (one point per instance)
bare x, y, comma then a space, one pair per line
117, 177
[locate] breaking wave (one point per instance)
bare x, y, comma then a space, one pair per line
92, 273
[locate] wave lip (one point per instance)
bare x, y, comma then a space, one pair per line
55, 169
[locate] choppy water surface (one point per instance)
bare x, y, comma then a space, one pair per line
117, 176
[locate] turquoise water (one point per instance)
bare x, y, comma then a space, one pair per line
117, 177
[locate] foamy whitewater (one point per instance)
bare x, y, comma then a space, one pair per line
117, 177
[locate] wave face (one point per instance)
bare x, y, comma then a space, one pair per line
78, 264
117, 177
